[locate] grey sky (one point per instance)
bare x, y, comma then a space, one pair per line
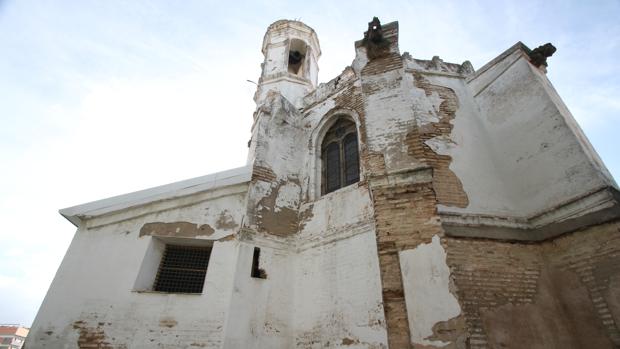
99, 98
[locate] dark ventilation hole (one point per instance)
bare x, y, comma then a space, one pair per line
256, 271
182, 269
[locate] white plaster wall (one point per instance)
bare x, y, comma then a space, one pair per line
470, 148
261, 313
278, 137
95, 280
334, 214
541, 160
313, 67
275, 58
225, 201
390, 114
426, 281
292, 89
336, 281
490, 71
338, 295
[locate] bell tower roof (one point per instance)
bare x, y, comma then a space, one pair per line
284, 28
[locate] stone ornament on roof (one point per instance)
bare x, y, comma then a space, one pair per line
376, 45
539, 55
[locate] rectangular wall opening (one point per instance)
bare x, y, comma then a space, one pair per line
257, 272
182, 269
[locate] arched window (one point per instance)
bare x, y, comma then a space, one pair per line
339, 156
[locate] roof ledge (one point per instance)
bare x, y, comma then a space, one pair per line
77, 214
597, 207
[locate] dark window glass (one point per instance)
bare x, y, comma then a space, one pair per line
340, 156
351, 159
182, 269
332, 166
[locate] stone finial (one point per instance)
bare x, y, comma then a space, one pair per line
376, 45
466, 68
436, 62
539, 55
375, 32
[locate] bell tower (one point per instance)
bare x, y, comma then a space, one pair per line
291, 51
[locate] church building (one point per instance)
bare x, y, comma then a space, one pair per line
406, 203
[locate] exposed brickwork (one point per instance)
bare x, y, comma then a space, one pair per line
371, 87
387, 62
381, 65
447, 185
488, 274
261, 173
496, 280
376, 162
405, 216
493, 280
594, 255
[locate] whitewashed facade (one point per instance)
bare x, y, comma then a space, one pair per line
452, 162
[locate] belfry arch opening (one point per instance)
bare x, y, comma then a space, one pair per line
339, 156
296, 57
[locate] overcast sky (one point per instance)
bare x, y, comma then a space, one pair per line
100, 98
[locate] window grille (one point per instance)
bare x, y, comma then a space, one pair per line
340, 156
182, 269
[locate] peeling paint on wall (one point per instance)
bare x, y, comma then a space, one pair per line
94, 337
225, 221
426, 142
176, 229
278, 211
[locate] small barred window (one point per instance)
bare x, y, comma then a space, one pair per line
182, 269
340, 157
